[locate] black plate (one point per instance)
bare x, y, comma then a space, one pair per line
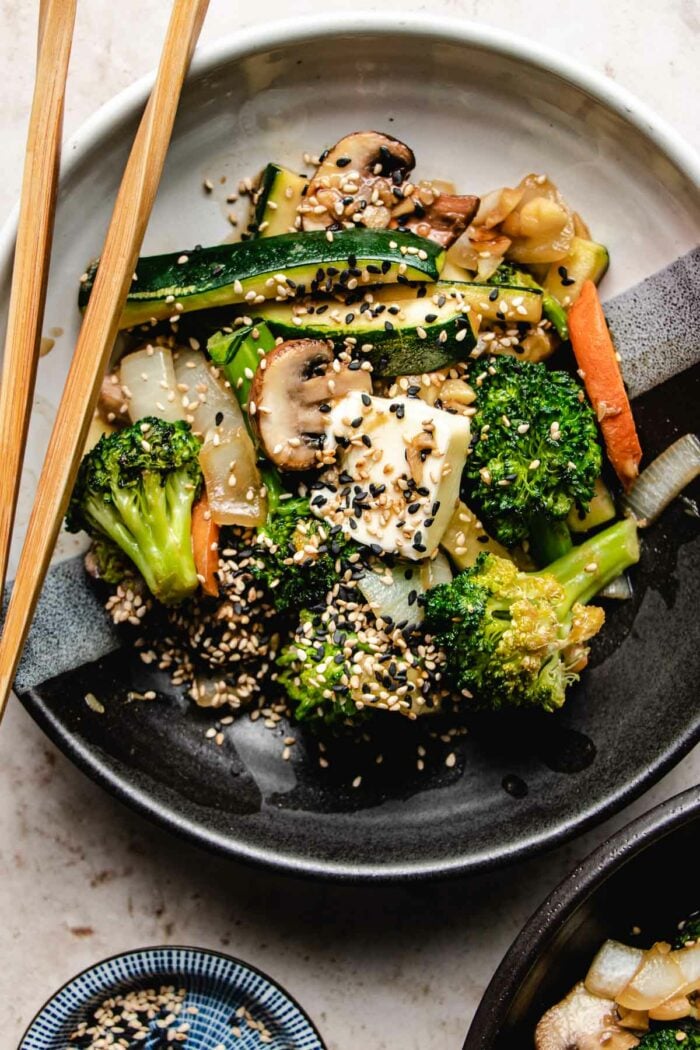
518, 785
644, 876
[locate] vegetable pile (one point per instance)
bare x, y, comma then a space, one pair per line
632, 998
337, 463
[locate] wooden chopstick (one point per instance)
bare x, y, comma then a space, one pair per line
98, 331
32, 254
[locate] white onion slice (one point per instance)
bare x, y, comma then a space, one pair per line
664, 479
232, 479
612, 969
209, 403
387, 591
620, 588
658, 978
688, 960
148, 379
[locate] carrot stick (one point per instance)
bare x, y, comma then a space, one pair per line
205, 546
600, 370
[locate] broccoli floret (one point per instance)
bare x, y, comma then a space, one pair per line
105, 561
668, 1037
534, 454
296, 556
314, 670
689, 933
517, 639
136, 487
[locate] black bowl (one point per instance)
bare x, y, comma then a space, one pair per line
645, 876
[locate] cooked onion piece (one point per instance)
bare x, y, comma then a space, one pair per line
148, 382
658, 978
207, 402
228, 458
394, 593
234, 487
541, 226
664, 479
613, 968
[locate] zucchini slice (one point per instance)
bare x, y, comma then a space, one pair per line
281, 267
277, 200
586, 261
551, 308
600, 510
509, 303
408, 337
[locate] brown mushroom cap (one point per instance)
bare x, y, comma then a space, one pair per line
443, 220
357, 176
288, 389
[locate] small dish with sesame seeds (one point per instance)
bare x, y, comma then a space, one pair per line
357, 474
174, 997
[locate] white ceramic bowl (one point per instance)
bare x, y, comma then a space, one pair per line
478, 107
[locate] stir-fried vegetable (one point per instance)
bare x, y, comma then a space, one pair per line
600, 370
372, 360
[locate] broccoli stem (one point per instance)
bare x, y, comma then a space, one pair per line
586, 569
549, 540
239, 358
275, 489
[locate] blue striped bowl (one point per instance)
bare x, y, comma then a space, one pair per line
216, 984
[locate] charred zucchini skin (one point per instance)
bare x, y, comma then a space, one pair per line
277, 200
238, 273
420, 337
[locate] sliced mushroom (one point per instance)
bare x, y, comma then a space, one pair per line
432, 213
287, 395
355, 182
582, 1021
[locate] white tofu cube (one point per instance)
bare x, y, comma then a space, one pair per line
395, 483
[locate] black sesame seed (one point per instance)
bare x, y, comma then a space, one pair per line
366, 400
321, 309
356, 423
422, 292
493, 295
388, 326
349, 318
400, 411
366, 441
342, 162
429, 318
219, 418
386, 266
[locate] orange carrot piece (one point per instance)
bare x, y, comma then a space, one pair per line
205, 546
600, 370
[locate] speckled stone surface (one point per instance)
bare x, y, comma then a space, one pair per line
82, 878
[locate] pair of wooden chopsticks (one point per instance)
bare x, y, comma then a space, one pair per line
100, 323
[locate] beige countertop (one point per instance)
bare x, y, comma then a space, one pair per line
80, 876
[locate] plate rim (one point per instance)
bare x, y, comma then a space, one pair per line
570, 894
237, 46
150, 948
